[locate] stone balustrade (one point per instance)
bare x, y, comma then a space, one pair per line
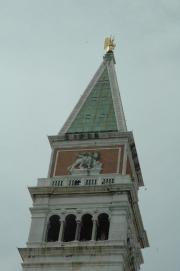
66, 181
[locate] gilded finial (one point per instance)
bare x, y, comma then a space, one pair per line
109, 44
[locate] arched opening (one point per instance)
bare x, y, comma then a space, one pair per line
86, 228
53, 228
70, 228
102, 227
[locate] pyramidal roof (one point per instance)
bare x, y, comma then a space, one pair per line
99, 108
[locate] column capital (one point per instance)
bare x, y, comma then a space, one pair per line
78, 217
95, 217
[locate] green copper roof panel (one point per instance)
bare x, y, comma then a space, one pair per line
97, 113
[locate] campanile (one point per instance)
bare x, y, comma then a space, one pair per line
85, 214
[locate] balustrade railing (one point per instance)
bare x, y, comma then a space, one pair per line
66, 181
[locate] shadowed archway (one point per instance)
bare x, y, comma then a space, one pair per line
102, 227
70, 228
53, 228
86, 228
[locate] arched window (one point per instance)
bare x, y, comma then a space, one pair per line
86, 228
53, 228
70, 228
102, 227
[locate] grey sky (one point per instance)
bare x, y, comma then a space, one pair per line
49, 52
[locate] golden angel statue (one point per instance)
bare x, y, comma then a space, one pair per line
109, 44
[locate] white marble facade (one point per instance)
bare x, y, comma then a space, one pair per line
110, 254
91, 222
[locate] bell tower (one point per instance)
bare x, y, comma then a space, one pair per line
85, 214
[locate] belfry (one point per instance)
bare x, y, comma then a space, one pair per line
85, 214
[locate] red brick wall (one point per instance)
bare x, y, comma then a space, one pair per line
128, 168
109, 157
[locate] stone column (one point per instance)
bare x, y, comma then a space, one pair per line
61, 232
94, 229
78, 228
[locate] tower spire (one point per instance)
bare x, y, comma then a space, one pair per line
100, 107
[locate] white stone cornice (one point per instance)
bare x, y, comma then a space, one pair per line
88, 143
77, 248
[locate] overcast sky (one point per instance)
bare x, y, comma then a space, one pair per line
49, 50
